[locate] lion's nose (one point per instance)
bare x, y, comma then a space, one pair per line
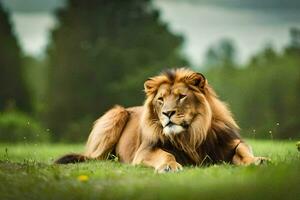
169, 113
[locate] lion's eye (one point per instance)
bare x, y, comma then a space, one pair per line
161, 99
181, 96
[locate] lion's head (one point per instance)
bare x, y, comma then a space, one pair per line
177, 100
182, 107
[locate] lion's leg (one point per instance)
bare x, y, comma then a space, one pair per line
106, 133
244, 156
160, 160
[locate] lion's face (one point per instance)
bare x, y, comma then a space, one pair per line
177, 100
175, 106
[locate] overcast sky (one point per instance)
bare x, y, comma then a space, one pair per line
251, 23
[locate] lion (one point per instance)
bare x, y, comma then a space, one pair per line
182, 123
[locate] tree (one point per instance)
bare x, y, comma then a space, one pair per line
101, 53
294, 46
223, 54
13, 90
295, 37
265, 57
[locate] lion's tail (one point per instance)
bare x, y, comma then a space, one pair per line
71, 158
103, 138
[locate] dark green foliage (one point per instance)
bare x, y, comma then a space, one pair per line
18, 127
264, 95
101, 53
35, 73
13, 91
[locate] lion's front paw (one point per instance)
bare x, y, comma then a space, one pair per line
261, 160
171, 166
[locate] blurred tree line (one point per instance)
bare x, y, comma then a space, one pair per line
100, 54
102, 51
16, 93
264, 94
13, 91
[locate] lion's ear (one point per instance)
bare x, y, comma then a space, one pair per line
198, 80
149, 86
152, 84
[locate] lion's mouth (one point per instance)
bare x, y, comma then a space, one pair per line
171, 128
183, 125
169, 124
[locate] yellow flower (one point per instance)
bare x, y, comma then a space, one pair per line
83, 178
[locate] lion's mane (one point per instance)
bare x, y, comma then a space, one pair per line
215, 127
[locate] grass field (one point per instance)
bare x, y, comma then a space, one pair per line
27, 172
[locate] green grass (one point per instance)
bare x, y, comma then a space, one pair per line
27, 172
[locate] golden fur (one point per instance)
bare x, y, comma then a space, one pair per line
182, 122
